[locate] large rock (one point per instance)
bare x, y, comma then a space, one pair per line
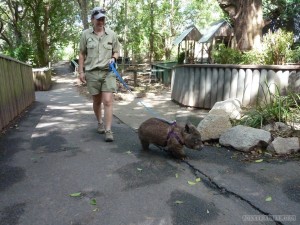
284, 145
244, 138
231, 107
279, 129
41, 78
212, 126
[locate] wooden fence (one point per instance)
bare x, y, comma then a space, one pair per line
202, 85
16, 89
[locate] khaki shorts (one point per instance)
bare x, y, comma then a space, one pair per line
100, 81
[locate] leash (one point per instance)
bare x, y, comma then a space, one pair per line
171, 133
151, 111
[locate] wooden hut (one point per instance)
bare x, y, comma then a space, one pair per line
190, 36
218, 32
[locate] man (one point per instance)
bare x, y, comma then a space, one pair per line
99, 47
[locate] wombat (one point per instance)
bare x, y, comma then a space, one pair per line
162, 133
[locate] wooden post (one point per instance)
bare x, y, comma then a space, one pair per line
202, 49
134, 78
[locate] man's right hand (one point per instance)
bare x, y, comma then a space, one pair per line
82, 77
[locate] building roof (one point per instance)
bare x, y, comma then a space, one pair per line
212, 30
190, 33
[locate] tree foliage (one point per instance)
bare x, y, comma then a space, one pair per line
40, 27
36, 31
281, 14
153, 25
249, 17
12, 25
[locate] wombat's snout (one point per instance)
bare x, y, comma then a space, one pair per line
200, 147
195, 143
192, 137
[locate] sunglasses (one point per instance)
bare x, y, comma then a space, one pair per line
99, 11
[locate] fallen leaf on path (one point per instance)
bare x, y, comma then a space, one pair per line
268, 199
198, 179
77, 194
259, 160
191, 183
178, 202
93, 202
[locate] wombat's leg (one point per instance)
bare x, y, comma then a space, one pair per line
178, 153
145, 145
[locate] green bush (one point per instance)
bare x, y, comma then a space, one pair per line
223, 55
181, 58
23, 52
253, 57
273, 108
277, 47
294, 57
276, 50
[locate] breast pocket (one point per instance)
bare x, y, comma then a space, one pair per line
107, 50
91, 48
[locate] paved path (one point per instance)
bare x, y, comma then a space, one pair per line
54, 151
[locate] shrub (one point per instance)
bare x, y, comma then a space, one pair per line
294, 57
253, 57
181, 57
22, 52
273, 108
276, 50
277, 47
223, 55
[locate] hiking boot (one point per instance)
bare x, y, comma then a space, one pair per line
101, 129
109, 136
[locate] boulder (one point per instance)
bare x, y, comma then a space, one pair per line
279, 129
212, 126
231, 107
41, 78
244, 138
284, 145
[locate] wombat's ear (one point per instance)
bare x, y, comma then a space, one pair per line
188, 127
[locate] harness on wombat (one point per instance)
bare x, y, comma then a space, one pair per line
171, 132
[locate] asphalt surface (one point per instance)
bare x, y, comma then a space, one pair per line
53, 151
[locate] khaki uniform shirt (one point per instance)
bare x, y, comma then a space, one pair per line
98, 50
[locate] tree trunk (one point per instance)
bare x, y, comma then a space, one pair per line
40, 18
84, 12
247, 18
151, 39
168, 40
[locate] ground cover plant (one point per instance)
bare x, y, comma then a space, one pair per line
273, 107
